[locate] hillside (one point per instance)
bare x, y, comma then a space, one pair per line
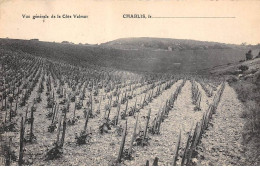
145, 60
234, 68
165, 44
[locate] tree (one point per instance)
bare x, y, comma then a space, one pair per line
258, 56
249, 55
243, 44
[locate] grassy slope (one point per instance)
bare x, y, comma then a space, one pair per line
134, 60
247, 86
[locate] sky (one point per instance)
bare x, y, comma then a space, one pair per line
105, 22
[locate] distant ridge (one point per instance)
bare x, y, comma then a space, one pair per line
165, 44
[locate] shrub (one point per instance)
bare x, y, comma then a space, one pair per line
232, 79
243, 68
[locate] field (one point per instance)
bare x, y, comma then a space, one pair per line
57, 112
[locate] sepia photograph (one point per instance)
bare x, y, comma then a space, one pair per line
129, 83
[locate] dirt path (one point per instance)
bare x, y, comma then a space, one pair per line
181, 117
222, 143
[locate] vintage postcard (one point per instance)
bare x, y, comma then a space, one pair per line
129, 83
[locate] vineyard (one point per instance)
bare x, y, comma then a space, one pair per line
56, 113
